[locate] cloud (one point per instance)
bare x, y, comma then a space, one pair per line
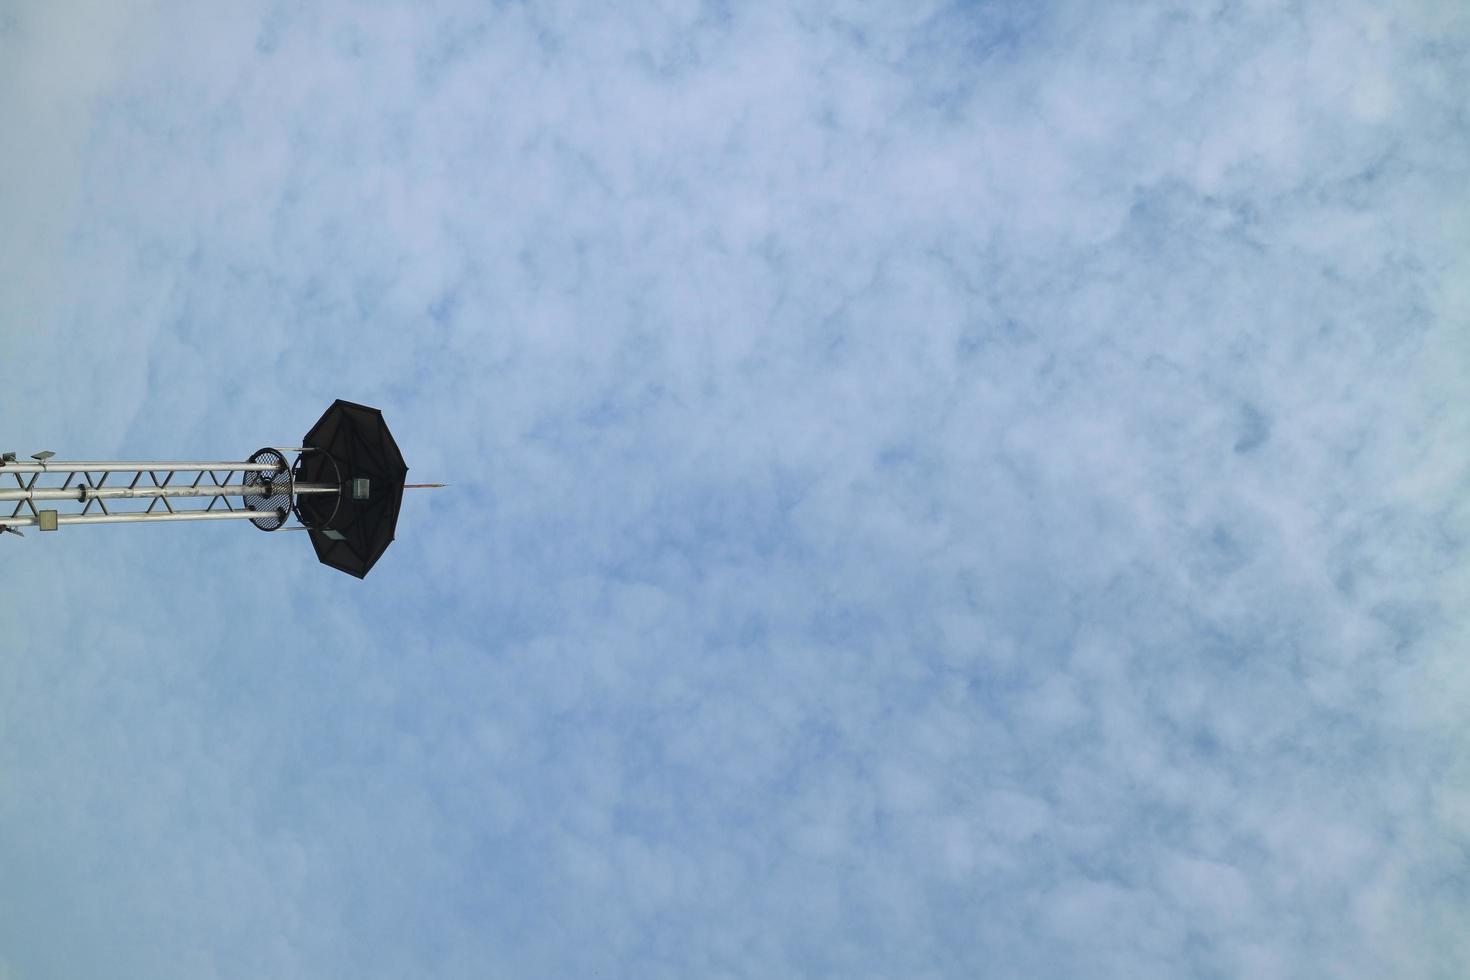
969, 488
54, 64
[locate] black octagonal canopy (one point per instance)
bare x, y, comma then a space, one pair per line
352, 528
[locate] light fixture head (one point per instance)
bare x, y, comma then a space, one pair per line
43, 455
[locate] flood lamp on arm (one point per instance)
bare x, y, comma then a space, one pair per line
345, 488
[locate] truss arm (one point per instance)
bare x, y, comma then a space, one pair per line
265, 492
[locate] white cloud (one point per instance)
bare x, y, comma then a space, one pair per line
968, 488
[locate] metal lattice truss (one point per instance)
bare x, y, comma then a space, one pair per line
94, 492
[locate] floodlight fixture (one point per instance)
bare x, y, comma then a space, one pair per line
344, 488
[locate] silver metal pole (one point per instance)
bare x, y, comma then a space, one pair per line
190, 515
85, 492
59, 466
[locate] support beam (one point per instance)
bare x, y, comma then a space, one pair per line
85, 492
61, 466
190, 515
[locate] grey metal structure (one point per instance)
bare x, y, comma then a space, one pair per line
86, 485
344, 487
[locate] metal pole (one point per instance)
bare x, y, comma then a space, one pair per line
85, 492
191, 515
58, 466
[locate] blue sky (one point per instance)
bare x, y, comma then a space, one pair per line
940, 489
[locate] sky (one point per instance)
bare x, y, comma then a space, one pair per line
940, 489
